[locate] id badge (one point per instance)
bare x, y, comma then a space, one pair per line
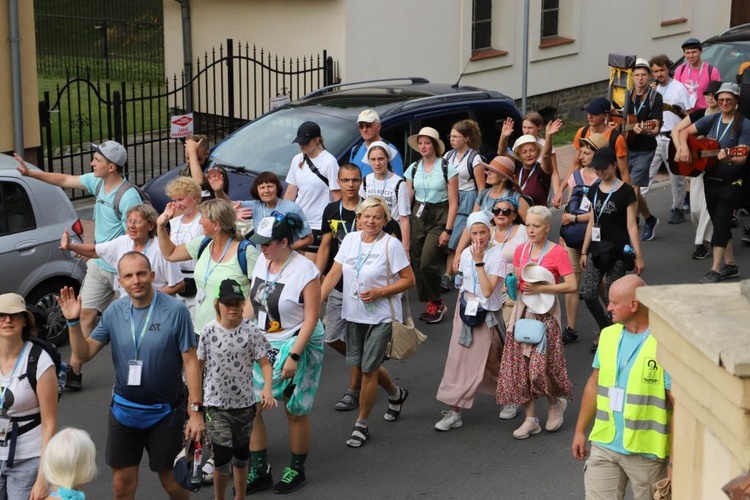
420, 210
262, 317
596, 234
585, 204
200, 295
616, 399
6, 426
354, 290
472, 306
135, 370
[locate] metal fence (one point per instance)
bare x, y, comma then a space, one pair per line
114, 40
230, 86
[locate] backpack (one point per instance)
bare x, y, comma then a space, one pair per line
121, 190
473, 153
241, 255
574, 234
612, 136
444, 165
682, 67
37, 346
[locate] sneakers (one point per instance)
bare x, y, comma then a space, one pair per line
508, 412
348, 402
73, 380
530, 426
451, 420
446, 283
711, 277
435, 312
258, 480
677, 217
292, 480
569, 336
729, 271
555, 415
701, 252
648, 228
208, 472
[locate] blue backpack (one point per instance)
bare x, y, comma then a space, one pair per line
241, 255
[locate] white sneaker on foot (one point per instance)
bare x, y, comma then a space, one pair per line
529, 426
451, 420
508, 412
555, 415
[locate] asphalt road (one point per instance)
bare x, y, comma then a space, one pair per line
407, 458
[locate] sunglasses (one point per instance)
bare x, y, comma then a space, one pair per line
12, 316
504, 211
725, 99
364, 125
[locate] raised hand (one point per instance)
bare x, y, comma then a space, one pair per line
477, 251
242, 213
215, 179
22, 168
167, 214
70, 305
64, 240
554, 127
507, 129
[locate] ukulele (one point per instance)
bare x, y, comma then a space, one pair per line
703, 153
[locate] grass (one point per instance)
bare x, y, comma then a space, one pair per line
567, 133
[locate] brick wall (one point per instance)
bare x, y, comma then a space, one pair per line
566, 104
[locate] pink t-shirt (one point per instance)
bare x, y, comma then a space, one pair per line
696, 82
555, 260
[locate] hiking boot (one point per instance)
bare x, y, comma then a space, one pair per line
451, 420
258, 480
292, 480
555, 415
677, 217
729, 271
508, 412
711, 277
701, 252
446, 283
649, 225
73, 380
569, 336
528, 427
435, 312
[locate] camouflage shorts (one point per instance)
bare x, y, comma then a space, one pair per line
230, 428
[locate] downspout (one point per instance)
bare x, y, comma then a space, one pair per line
187, 51
15, 76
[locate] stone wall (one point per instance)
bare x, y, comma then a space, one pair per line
566, 104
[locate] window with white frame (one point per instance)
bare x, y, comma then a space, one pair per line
481, 25
550, 18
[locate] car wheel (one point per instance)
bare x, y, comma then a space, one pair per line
41, 301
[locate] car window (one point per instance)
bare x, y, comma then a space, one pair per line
16, 213
443, 124
727, 58
397, 135
490, 122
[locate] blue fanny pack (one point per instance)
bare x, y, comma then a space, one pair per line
137, 415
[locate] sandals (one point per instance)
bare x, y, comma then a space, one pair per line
348, 402
394, 405
359, 437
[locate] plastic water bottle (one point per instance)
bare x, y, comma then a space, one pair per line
197, 476
458, 280
628, 250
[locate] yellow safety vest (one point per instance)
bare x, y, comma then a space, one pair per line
646, 411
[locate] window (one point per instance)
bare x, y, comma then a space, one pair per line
550, 18
16, 214
481, 25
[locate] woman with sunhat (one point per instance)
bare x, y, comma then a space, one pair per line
434, 187
531, 371
534, 177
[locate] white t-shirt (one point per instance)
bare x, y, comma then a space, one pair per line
494, 265
312, 193
461, 165
508, 247
230, 356
676, 94
181, 233
387, 190
25, 403
279, 296
165, 272
372, 274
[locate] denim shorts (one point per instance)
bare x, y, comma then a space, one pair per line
17, 482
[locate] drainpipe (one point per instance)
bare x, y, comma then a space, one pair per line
187, 51
15, 76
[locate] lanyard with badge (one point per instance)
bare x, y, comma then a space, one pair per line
358, 285
520, 176
269, 286
135, 366
425, 186
616, 394
596, 231
718, 125
6, 424
201, 293
472, 304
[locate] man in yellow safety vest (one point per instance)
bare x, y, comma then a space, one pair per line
628, 397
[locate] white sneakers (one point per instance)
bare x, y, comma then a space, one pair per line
529, 426
451, 420
555, 415
508, 412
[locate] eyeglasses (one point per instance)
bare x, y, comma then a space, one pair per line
353, 180
135, 222
364, 125
725, 99
505, 211
12, 316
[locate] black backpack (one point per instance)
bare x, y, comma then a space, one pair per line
473, 153
444, 165
37, 346
121, 190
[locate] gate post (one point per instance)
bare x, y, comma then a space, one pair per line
328, 70
117, 101
230, 83
44, 123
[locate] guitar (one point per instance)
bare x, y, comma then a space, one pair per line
704, 153
625, 125
674, 109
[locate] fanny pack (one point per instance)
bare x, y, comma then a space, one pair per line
472, 321
137, 415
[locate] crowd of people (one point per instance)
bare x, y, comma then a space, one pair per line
219, 311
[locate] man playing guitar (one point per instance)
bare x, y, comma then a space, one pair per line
723, 183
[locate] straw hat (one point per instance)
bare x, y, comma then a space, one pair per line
505, 167
427, 132
538, 303
11, 303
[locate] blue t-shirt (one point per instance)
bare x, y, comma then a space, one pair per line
168, 335
283, 207
107, 227
357, 156
711, 126
432, 187
630, 345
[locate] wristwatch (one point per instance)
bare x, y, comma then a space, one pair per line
197, 407
449, 231
294, 356
575, 218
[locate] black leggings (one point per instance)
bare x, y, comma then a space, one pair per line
589, 292
722, 198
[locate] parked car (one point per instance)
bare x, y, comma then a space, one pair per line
404, 105
726, 51
32, 218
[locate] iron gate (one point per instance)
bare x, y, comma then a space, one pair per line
231, 86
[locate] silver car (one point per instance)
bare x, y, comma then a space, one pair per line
32, 218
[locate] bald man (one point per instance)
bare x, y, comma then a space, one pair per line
628, 397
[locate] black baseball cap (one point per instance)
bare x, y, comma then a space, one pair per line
603, 158
713, 87
307, 132
230, 290
599, 106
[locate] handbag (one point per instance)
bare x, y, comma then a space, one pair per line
405, 337
531, 331
471, 321
137, 415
